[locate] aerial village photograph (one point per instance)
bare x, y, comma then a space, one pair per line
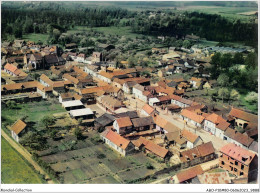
121, 92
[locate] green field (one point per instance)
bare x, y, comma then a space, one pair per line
14, 169
34, 110
36, 37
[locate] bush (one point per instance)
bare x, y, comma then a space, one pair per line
251, 97
101, 156
149, 166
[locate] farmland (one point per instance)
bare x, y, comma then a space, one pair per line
82, 164
14, 169
36, 37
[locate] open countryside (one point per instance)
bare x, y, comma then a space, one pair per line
129, 93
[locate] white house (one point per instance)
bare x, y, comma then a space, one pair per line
153, 100
138, 92
123, 125
181, 102
128, 87
80, 58
192, 139
17, 129
216, 125
192, 117
117, 142
104, 76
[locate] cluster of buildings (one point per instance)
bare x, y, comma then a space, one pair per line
146, 129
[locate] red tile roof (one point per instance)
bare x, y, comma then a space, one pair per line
193, 116
46, 79
243, 115
238, 153
148, 109
215, 178
117, 139
239, 137
124, 122
154, 148
214, 118
10, 67
18, 126
189, 136
189, 173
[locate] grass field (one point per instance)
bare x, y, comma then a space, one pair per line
120, 31
34, 110
14, 169
36, 37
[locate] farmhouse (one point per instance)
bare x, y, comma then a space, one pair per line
175, 139
199, 154
117, 142
13, 70
242, 118
192, 117
123, 125
147, 110
104, 120
111, 104
192, 139
68, 96
233, 136
216, 125
18, 129
186, 176
143, 123
239, 161
177, 100
163, 125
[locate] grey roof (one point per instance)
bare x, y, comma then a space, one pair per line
143, 121
131, 114
105, 119
172, 84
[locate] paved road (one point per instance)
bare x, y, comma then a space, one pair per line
26, 155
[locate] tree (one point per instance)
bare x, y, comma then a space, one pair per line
48, 120
53, 133
33, 140
223, 93
223, 80
78, 133
252, 97
251, 61
149, 166
226, 61
238, 58
186, 44
56, 34
234, 95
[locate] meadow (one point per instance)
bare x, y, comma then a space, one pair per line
14, 169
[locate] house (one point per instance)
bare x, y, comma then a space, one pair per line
163, 125
176, 139
138, 92
123, 125
210, 84
96, 57
242, 118
111, 104
18, 129
13, 70
197, 155
192, 139
192, 117
241, 140
117, 142
130, 114
104, 120
72, 105
153, 101
196, 82
68, 96
80, 58
182, 102
152, 148
128, 87
238, 161
186, 176
147, 110
143, 123
216, 125
53, 60
45, 80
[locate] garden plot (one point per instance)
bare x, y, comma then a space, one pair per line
104, 180
135, 173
